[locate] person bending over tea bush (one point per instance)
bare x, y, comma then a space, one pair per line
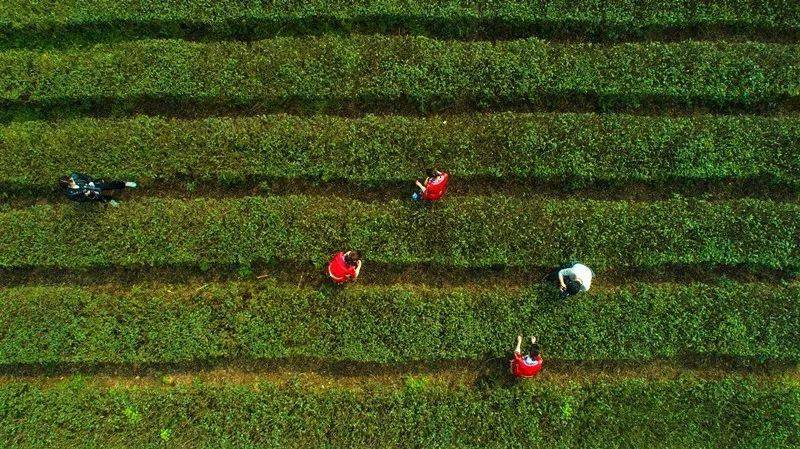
574, 278
344, 267
433, 187
82, 188
529, 365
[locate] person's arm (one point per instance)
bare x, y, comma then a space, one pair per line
561, 273
420, 185
358, 268
518, 350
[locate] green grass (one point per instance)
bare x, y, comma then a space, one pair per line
571, 148
686, 412
413, 73
479, 231
400, 323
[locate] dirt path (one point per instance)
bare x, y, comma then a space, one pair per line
319, 374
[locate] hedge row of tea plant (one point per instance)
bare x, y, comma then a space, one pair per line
479, 231
577, 148
27, 23
685, 412
399, 323
417, 73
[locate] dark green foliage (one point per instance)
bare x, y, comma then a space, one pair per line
479, 231
681, 413
406, 73
541, 147
173, 323
41, 23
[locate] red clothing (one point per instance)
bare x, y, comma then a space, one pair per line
339, 270
435, 187
526, 366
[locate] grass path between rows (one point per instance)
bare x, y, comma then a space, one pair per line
317, 373
18, 197
308, 275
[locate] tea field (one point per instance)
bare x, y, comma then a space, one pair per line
658, 142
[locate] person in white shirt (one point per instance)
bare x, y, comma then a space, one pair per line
574, 279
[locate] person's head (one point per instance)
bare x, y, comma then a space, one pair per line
535, 350
352, 257
65, 182
574, 286
431, 173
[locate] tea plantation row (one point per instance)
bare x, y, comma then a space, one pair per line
399, 323
479, 231
34, 23
576, 148
685, 412
412, 73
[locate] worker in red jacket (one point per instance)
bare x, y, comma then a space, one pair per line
434, 186
344, 266
528, 366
